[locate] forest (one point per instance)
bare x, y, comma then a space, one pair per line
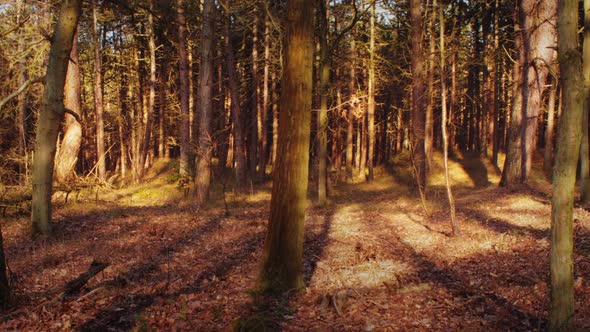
294, 165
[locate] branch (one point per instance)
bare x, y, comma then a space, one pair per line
356, 17
21, 89
74, 114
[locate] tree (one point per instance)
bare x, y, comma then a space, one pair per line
72, 139
536, 31
184, 94
204, 153
561, 311
283, 246
236, 110
51, 115
98, 98
444, 120
418, 93
584, 146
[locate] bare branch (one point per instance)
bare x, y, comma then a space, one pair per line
21, 90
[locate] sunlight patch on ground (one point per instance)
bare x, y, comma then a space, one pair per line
365, 274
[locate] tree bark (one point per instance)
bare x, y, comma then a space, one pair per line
371, 100
236, 110
72, 139
322, 115
98, 100
444, 123
283, 247
550, 130
540, 29
350, 113
584, 158
151, 102
51, 116
418, 93
203, 171
184, 93
561, 311
514, 158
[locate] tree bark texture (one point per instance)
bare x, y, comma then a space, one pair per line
418, 92
184, 92
51, 115
72, 139
98, 100
203, 171
283, 248
561, 309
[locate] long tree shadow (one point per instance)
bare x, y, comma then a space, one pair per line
121, 315
454, 281
502, 226
475, 168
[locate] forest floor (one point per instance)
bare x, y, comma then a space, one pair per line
372, 261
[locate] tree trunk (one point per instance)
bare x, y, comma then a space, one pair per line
371, 101
322, 115
255, 121
561, 311
584, 158
98, 102
236, 111
418, 91
147, 135
350, 113
514, 158
21, 99
540, 32
51, 116
444, 122
429, 117
283, 247
184, 92
72, 139
263, 148
203, 171
549, 130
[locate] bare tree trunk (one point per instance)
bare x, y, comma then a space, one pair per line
275, 118
283, 248
418, 91
584, 158
514, 158
146, 142
203, 172
236, 111
371, 101
429, 117
444, 121
162, 114
263, 148
98, 102
540, 29
72, 139
322, 114
184, 92
561, 310
21, 99
550, 130
350, 113
255, 121
51, 115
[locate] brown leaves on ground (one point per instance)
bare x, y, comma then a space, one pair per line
372, 262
